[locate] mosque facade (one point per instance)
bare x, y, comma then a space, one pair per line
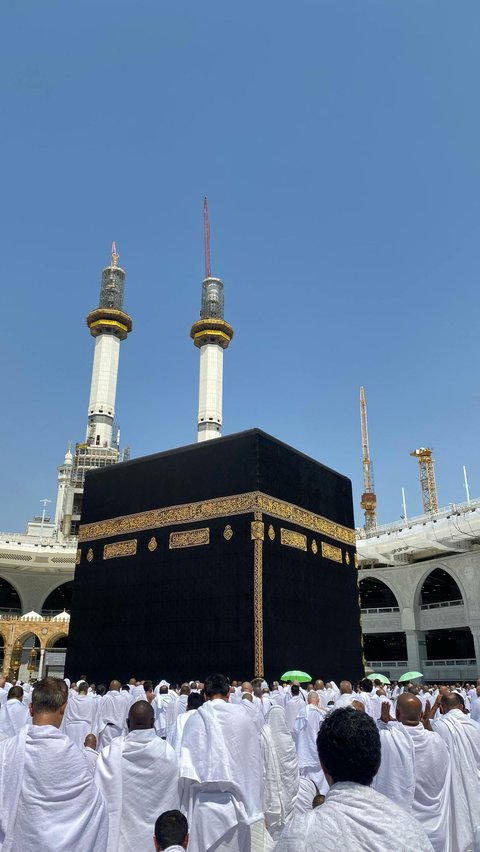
419, 580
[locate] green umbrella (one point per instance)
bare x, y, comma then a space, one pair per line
302, 677
409, 676
380, 677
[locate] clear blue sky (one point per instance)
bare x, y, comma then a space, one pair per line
338, 145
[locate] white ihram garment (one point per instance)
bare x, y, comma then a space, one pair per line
111, 717
160, 704
13, 716
421, 782
461, 736
307, 726
79, 717
173, 710
138, 776
221, 778
91, 756
292, 709
280, 772
48, 801
354, 818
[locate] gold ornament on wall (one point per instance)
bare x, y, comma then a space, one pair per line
293, 539
90, 555
271, 533
228, 533
152, 544
314, 547
347, 557
258, 530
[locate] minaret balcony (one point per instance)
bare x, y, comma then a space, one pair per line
109, 321
211, 331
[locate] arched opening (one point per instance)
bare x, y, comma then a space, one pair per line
55, 655
438, 589
10, 603
58, 600
452, 644
25, 659
376, 596
385, 648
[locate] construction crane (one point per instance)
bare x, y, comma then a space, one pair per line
369, 499
427, 479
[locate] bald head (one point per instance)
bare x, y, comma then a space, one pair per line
185, 689
247, 696
345, 687
313, 698
319, 684
91, 742
409, 709
452, 701
247, 687
140, 716
115, 686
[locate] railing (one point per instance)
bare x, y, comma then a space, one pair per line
401, 524
387, 664
465, 662
37, 540
10, 611
442, 604
377, 610
18, 617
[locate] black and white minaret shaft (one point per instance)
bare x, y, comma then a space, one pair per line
212, 334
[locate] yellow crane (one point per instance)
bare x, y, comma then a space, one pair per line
427, 479
368, 501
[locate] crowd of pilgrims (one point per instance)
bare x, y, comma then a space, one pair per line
239, 767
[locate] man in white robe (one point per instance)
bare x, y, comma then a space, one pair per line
307, 725
293, 706
175, 709
14, 715
221, 774
354, 816
90, 752
462, 738
280, 768
415, 769
346, 696
111, 715
138, 776
253, 710
194, 701
162, 701
48, 801
80, 715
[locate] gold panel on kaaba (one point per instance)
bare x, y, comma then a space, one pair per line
234, 555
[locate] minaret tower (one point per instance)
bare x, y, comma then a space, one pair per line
108, 324
212, 335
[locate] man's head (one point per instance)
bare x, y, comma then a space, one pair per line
217, 686
15, 692
132, 681
140, 716
115, 686
295, 688
313, 698
163, 690
247, 696
319, 684
194, 701
452, 701
348, 745
171, 829
148, 687
365, 685
3, 681
409, 709
345, 687
49, 701
90, 742
247, 687
184, 689
83, 688
101, 689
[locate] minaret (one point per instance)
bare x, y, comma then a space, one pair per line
108, 324
212, 335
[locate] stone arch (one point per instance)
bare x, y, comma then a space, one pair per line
370, 580
450, 587
59, 597
52, 640
6, 589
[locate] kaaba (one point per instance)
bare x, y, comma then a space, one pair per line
234, 555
